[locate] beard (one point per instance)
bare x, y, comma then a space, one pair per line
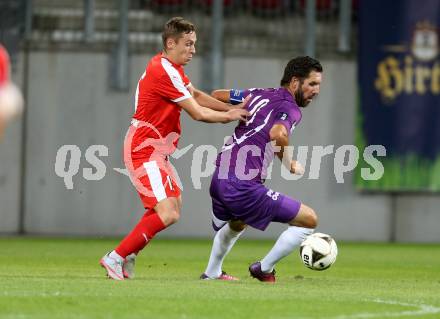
299, 98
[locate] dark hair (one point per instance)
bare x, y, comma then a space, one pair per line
175, 28
300, 67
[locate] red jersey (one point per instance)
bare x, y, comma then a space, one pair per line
4, 66
157, 114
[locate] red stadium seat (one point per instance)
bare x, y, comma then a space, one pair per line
321, 5
167, 2
267, 4
269, 8
226, 3
206, 5
167, 6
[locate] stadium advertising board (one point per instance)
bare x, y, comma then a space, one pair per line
399, 96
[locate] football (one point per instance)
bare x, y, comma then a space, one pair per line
318, 251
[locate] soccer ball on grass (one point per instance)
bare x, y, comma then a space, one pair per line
318, 251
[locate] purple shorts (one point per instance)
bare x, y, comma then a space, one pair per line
249, 201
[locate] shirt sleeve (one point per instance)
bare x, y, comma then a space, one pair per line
186, 80
284, 115
171, 85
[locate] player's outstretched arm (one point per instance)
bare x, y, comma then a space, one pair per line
278, 133
203, 114
225, 95
208, 101
222, 95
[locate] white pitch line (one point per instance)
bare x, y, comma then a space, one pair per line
421, 309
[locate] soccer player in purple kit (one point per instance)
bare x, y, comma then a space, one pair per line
239, 197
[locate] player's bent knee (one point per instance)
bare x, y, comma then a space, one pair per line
306, 217
179, 202
173, 216
169, 217
312, 220
168, 210
237, 225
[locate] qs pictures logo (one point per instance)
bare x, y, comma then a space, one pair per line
411, 68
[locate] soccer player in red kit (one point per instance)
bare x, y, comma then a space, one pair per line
11, 100
4, 65
162, 92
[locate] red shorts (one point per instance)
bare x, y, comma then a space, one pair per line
154, 181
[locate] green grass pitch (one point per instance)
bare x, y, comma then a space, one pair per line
61, 278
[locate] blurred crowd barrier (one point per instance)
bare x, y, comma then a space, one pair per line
250, 27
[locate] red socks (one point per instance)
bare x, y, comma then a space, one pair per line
149, 225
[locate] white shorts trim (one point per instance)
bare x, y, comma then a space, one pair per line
217, 222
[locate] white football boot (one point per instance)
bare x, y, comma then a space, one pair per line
128, 267
113, 267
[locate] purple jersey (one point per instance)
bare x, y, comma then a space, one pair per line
248, 153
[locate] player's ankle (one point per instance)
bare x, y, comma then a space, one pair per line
113, 254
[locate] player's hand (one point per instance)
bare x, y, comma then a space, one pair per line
238, 114
241, 107
243, 104
296, 168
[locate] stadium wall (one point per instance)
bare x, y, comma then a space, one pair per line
69, 103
